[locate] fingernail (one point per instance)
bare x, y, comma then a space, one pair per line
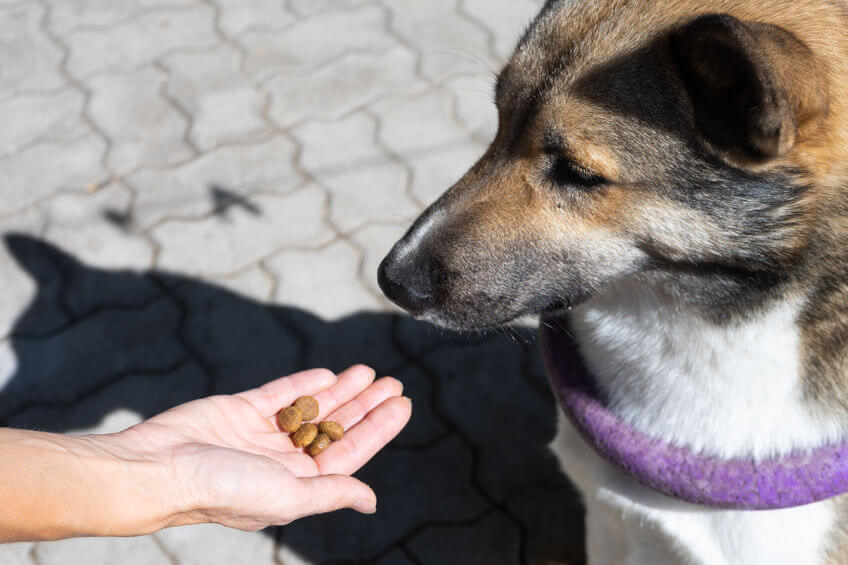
365, 506
408, 400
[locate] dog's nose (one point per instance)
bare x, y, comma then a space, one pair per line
407, 284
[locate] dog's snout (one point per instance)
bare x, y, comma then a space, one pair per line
409, 282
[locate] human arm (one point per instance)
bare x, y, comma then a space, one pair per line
220, 459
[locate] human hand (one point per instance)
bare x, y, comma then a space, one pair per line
230, 464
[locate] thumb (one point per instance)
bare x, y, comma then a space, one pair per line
326, 493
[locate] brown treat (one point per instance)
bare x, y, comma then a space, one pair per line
304, 435
308, 407
320, 444
290, 419
332, 429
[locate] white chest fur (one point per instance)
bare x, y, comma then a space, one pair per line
728, 390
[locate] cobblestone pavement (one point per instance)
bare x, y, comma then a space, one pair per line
195, 196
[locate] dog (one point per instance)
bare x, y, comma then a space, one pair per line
669, 185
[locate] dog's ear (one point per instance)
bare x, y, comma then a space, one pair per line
752, 85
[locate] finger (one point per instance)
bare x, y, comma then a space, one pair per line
334, 492
271, 397
352, 412
348, 415
365, 439
351, 382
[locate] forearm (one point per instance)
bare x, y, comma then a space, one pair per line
57, 486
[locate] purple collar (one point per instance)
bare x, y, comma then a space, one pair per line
780, 482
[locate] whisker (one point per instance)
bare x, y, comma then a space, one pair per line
470, 58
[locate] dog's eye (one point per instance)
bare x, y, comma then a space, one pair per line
565, 172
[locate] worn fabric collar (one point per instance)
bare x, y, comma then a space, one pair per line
738, 483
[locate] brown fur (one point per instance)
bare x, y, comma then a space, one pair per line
837, 552
608, 164
819, 150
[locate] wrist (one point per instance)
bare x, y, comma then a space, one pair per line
142, 492
56, 486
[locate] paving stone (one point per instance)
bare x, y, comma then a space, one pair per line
30, 60
413, 487
101, 342
554, 518
395, 557
17, 553
376, 240
333, 90
251, 283
425, 426
113, 421
140, 41
481, 389
81, 224
343, 157
53, 115
18, 286
220, 245
238, 339
69, 289
217, 180
449, 44
364, 337
91, 242
326, 282
322, 297
506, 20
8, 364
224, 105
534, 366
435, 172
474, 107
287, 556
410, 125
307, 7
119, 405
315, 41
145, 129
422, 131
65, 15
89, 353
492, 540
418, 339
238, 16
44, 311
210, 544
74, 165
105, 551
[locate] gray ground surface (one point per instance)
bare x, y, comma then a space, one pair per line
201, 191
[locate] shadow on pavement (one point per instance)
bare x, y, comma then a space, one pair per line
469, 481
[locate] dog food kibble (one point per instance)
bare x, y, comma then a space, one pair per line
290, 419
304, 435
321, 443
308, 406
314, 437
333, 429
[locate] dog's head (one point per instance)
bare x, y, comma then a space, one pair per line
635, 139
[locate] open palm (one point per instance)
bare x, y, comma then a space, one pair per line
233, 465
